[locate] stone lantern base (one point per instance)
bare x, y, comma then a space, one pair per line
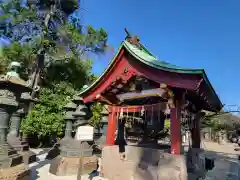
75, 156
9, 156
11, 166
22, 148
28, 156
67, 166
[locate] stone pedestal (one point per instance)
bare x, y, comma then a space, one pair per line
9, 156
73, 154
142, 164
62, 166
28, 156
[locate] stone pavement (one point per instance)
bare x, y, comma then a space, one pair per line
224, 156
227, 166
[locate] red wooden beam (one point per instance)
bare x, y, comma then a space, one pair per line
152, 107
145, 93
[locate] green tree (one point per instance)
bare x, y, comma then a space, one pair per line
53, 55
96, 110
51, 33
46, 118
25, 54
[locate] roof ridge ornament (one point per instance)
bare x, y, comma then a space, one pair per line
132, 39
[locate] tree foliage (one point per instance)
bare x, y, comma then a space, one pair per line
223, 121
23, 53
96, 110
47, 117
50, 26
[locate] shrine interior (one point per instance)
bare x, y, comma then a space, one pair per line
148, 127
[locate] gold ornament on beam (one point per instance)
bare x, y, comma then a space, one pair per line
168, 90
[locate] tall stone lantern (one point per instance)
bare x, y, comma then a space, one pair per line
59, 165
11, 87
74, 154
104, 120
13, 138
104, 124
67, 141
81, 116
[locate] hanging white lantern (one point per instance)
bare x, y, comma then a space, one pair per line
142, 111
121, 114
167, 110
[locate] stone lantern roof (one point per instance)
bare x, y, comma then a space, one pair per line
16, 82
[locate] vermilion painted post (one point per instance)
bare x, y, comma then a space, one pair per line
176, 139
112, 125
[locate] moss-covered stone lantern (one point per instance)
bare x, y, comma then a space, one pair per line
11, 88
14, 139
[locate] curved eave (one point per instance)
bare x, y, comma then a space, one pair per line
176, 69
155, 64
212, 90
81, 93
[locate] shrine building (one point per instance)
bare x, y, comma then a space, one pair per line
136, 82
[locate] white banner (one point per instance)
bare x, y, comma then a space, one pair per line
84, 133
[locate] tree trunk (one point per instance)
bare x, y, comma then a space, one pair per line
36, 76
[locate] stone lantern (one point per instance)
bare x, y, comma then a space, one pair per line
74, 154
104, 124
81, 113
67, 141
11, 88
81, 124
67, 145
13, 138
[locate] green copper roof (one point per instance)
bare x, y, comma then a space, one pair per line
146, 57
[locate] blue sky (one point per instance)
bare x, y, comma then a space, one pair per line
193, 34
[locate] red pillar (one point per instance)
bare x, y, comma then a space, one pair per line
176, 138
112, 125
